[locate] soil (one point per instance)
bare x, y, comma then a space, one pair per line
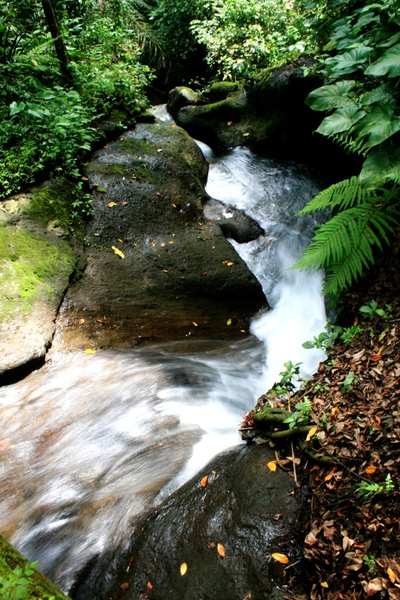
352, 532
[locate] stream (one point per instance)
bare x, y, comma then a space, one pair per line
89, 442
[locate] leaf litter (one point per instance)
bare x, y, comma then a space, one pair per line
351, 536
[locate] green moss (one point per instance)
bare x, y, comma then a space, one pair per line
37, 587
48, 205
29, 266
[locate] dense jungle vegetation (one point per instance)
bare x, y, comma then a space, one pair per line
65, 64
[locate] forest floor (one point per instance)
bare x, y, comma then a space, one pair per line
352, 539
352, 534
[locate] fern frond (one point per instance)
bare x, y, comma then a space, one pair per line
341, 195
344, 245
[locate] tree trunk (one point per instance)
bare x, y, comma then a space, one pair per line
57, 37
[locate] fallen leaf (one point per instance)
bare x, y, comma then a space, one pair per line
277, 517
149, 585
85, 178
158, 194
281, 558
195, 324
110, 204
159, 149
334, 410
391, 574
4, 444
81, 321
90, 351
221, 550
229, 122
229, 322
329, 476
204, 481
229, 264
101, 190
324, 584
271, 465
370, 469
246, 134
118, 252
312, 432
183, 568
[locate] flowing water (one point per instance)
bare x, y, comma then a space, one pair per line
91, 441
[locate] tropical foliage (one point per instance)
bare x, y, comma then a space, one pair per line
361, 65
242, 37
46, 118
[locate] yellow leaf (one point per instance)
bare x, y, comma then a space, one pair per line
221, 550
229, 264
229, 123
272, 465
118, 252
183, 568
392, 575
195, 324
162, 244
311, 433
334, 410
281, 558
90, 351
110, 204
246, 134
370, 469
324, 584
329, 476
204, 481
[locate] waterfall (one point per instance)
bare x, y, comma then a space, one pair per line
92, 441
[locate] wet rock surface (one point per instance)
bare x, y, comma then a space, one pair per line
244, 507
157, 269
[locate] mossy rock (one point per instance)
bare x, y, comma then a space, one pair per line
36, 263
14, 568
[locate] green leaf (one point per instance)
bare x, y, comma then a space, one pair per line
382, 93
380, 124
381, 165
341, 120
331, 96
388, 64
348, 62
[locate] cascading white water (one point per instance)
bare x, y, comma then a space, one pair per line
91, 441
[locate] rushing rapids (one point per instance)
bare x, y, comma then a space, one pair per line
92, 441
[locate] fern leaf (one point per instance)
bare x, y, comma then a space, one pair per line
339, 195
344, 245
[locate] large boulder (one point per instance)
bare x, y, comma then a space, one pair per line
157, 270
224, 525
